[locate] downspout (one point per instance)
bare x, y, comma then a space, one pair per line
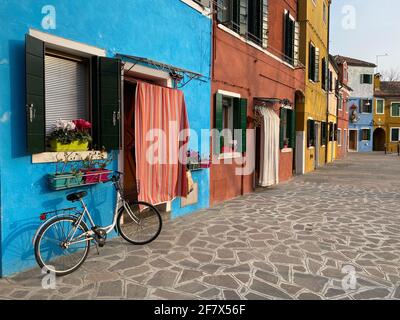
327, 89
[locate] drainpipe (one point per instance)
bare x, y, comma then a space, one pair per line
327, 93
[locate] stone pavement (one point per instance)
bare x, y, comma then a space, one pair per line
287, 242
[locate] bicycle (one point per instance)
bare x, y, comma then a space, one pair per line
62, 244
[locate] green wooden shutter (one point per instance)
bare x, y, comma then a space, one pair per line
106, 103
369, 134
292, 128
218, 124
240, 122
35, 94
282, 127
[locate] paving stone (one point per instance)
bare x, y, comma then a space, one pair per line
188, 275
266, 276
172, 295
309, 296
129, 262
191, 287
267, 289
134, 291
311, 282
224, 281
110, 289
243, 268
281, 258
332, 292
163, 278
231, 295
378, 293
202, 257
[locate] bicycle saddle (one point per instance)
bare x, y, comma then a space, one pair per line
76, 196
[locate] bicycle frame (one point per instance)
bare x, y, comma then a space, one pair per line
120, 203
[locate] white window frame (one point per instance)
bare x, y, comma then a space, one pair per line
74, 48
196, 6
376, 106
397, 128
362, 105
229, 155
391, 109
341, 138
370, 133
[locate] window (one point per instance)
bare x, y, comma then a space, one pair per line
66, 88
57, 85
366, 78
331, 131
287, 135
323, 133
324, 80
231, 124
339, 137
313, 63
289, 37
310, 133
366, 106
380, 106
340, 100
246, 17
395, 109
365, 135
395, 134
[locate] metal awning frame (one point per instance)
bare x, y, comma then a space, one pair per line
177, 74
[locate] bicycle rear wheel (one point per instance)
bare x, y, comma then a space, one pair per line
52, 250
139, 225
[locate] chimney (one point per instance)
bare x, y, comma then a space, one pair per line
377, 81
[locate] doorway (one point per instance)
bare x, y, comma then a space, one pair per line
345, 141
379, 139
317, 144
353, 140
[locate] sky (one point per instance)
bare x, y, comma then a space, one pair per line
363, 29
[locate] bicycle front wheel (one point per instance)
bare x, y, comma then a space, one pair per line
140, 223
62, 246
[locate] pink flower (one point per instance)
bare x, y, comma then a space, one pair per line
82, 125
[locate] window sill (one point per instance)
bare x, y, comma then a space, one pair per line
286, 150
197, 7
254, 45
52, 157
229, 155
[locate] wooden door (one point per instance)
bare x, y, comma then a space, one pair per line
130, 185
353, 140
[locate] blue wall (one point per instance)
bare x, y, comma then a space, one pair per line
164, 30
364, 122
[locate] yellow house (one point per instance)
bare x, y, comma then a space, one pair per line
311, 124
386, 119
333, 93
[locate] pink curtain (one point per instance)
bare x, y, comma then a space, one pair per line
160, 118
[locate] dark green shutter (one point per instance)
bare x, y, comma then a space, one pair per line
240, 121
106, 103
218, 124
282, 128
369, 134
292, 128
35, 94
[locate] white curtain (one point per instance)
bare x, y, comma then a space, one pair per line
269, 162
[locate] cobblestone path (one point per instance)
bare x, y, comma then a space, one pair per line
298, 240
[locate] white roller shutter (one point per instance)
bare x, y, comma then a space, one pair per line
66, 90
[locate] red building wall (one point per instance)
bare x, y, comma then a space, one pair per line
242, 68
343, 115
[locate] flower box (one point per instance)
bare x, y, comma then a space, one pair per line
65, 180
92, 176
73, 146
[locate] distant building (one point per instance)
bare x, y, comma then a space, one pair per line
386, 120
343, 109
360, 104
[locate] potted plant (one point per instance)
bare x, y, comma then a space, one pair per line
71, 136
62, 179
94, 169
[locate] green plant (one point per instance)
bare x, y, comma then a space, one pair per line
97, 160
66, 132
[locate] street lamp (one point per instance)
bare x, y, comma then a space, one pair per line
377, 59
